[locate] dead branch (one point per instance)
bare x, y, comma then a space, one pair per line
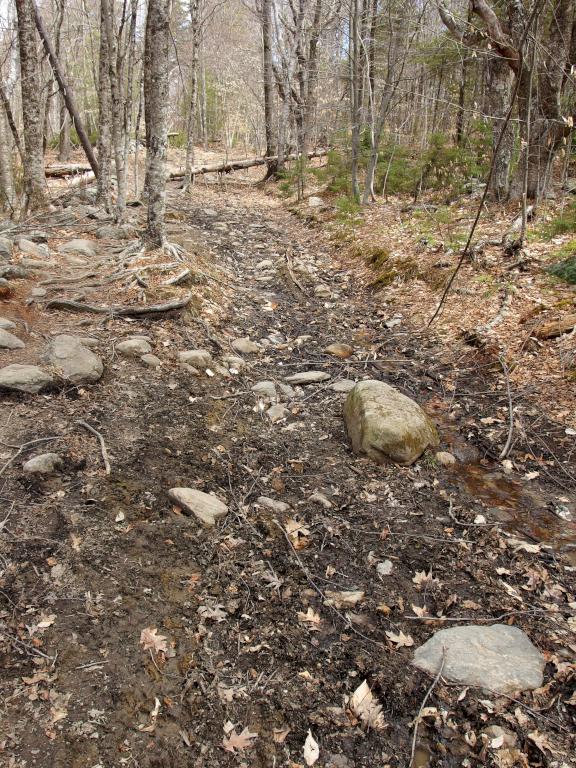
103, 449
419, 715
238, 165
119, 310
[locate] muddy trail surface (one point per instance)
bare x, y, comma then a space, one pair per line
133, 635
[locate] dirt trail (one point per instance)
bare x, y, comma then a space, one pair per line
90, 560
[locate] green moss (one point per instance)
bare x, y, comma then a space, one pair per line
565, 270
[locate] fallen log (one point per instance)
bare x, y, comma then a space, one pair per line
119, 310
61, 171
556, 328
238, 165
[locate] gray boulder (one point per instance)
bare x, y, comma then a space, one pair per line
5, 248
385, 424
151, 361
24, 378
13, 272
78, 247
133, 347
116, 232
9, 341
498, 658
43, 464
73, 361
265, 389
38, 250
196, 357
208, 509
6, 324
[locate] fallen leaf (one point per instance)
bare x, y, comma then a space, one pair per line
366, 707
312, 617
151, 727
311, 749
420, 611
385, 568
151, 640
216, 612
239, 741
401, 640
280, 735
421, 578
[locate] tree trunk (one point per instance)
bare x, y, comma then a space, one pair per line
268, 73
11, 122
104, 118
191, 124
34, 181
7, 193
156, 96
497, 103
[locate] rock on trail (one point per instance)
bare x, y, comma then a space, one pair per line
73, 361
498, 658
43, 464
385, 424
208, 509
24, 378
9, 341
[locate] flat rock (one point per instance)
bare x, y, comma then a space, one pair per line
39, 250
385, 424
498, 658
36, 263
151, 361
133, 347
307, 377
277, 413
73, 361
116, 232
315, 202
265, 389
9, 341
273, 504
344, 385
43, 464
78, 247
445, 458
288, 391
6, 324
339, 350
196, 357
265, 264
245, 346
24, 378
234, 363
208, 509
13, 272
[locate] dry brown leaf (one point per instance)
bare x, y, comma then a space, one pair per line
280, 735
400, 640
239, 741
151, 640
151, 727
421, 578
311, 617
298, 533
214, 612
366, 707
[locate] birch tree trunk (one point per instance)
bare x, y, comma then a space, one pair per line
34, 180
156, 96
104, 118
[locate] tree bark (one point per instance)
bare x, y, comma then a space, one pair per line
268, 73
34, 181
104, 190
156, 96
497, 102
193, 105
7, 192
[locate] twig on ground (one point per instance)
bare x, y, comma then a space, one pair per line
419, 715
103, 449
506, 450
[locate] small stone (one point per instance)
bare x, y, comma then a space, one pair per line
6, 324
385, 424
322, 291
273, 504
36, 263
307, 377
78, 247
208, 509
221, 226
319, 498
265, 264
210, 212
24, 378
133, 347
340, 350
445, 458
266, 389
234, 363
189, 369
288, 391
38, 293
315, 202
277, 413
116, 232
43, 464
245, 346
9, 341
196, 357
344, 385
498, 658
39, 250
151, 361
73, 361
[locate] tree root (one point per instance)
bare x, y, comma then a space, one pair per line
119, 310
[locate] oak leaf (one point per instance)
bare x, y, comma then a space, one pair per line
151, 640
238, 741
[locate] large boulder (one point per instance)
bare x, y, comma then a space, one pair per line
498, 658
73, 361
386, 425
24, 378
79, 247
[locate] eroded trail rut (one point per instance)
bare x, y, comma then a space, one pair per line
251, 638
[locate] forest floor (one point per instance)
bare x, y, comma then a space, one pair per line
258, 631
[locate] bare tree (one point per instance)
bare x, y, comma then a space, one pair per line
34, 181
